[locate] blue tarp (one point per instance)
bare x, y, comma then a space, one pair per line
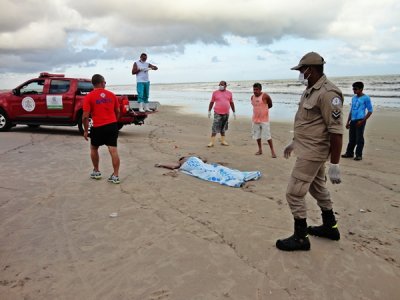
216, 173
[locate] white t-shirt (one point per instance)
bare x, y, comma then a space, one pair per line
142, 76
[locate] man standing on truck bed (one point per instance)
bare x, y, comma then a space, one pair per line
141, 70
103, 107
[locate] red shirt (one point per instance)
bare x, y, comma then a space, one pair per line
101, 105
260, 109
222, 100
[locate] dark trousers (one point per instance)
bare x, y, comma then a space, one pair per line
356, 138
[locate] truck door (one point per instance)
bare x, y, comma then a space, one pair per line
29, 103
60, 100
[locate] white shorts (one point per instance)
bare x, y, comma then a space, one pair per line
261, 131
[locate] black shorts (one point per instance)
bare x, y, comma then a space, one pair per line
104, 135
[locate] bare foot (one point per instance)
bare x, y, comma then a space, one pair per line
273, 155
258, 153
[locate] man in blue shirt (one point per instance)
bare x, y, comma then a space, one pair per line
360, 103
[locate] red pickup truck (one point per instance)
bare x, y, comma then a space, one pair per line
53, 99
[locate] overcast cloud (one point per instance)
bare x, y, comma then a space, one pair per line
37, 35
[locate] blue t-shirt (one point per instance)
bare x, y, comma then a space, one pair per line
359, 105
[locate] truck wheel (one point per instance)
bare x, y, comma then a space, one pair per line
80, 124
5, 123
80, 128
120, 125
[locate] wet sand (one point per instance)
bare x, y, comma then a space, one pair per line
178, 237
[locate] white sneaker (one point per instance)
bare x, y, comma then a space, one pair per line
95, 175
114, 179
146, 107
141, 107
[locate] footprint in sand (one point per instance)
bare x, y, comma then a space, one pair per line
171, 173
159, 295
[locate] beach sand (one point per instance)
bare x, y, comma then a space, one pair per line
178, 237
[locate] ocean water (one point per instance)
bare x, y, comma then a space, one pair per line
194, 97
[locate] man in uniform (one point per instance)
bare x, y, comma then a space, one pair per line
318, 130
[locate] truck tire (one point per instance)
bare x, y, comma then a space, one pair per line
80, 124
5, 123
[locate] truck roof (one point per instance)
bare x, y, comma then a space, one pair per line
51, 75
46, 74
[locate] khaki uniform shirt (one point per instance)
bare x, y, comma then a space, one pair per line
319, 114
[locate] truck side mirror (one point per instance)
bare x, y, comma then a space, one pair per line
16, 92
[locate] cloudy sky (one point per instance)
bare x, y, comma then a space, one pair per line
196, 40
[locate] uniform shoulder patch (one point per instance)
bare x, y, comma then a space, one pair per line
336, 113
337, 105
336, 101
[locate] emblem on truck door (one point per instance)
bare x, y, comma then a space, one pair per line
28, 104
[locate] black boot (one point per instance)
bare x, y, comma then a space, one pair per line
328, 229
298, 241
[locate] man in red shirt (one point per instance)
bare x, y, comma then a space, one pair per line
223, 101
103, 107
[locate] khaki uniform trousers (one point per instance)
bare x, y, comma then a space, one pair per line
307, 176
